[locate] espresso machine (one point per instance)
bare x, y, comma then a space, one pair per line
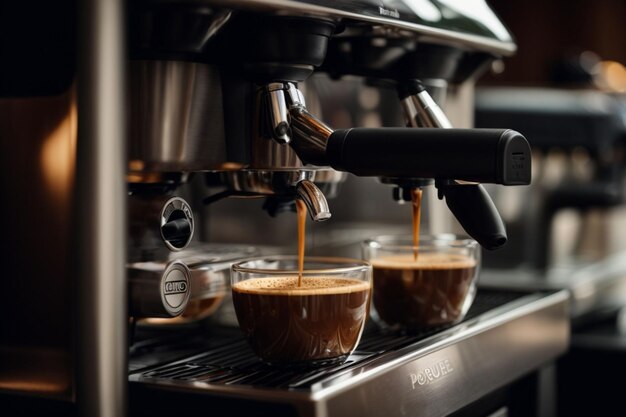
147, 102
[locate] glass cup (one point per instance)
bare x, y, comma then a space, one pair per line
317, 323
417, 288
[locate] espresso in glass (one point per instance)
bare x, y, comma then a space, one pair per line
422, 287
317, 322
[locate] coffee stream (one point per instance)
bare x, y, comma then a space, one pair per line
416, 200
302, 212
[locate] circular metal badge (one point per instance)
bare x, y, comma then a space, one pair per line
175, 287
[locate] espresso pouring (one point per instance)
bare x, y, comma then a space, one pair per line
293, 319
421, 289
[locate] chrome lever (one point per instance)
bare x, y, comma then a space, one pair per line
278, 112
420, 109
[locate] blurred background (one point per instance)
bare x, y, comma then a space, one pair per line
549, 32
566, 85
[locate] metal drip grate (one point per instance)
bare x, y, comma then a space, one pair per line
227, 359
234, 363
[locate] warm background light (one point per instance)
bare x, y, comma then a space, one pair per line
611, 76
58, 153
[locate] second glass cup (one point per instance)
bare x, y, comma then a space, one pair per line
416, 288
316, 323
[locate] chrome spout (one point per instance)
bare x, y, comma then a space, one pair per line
310, 136
290, 123
314, 199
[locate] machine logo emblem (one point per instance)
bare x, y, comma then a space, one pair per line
431, 373
519, 160
175, 287
383, 11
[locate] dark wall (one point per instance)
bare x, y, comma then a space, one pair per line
546, 30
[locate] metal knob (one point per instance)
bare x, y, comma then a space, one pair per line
176, 224
157, 224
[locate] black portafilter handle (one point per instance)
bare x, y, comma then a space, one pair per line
498, 156
476, 212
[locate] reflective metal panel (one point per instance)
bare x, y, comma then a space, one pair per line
176, 117
433, 374
100, 207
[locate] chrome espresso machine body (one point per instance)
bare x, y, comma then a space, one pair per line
148, 97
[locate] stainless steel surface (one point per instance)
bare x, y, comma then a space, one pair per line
209, 282
477, 360
210, 266
157, 289
176, 118
269, 182
314, 199
422, 111
268, 154
265, 182
434, 376
389, 21
100, 210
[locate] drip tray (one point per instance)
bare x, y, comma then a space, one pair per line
505, 335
